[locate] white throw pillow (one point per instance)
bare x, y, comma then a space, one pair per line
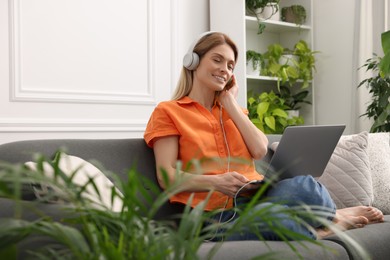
84, 170
379, 153
347, 175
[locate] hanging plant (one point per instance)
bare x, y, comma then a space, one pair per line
254, 62
256, 8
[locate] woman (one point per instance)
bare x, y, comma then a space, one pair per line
204, 127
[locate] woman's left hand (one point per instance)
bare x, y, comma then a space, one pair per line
230, 93
234, 87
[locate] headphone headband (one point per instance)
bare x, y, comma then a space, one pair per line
191, 59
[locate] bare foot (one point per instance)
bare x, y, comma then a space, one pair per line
343, 223
373, 215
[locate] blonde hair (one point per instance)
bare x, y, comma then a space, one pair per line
205, 44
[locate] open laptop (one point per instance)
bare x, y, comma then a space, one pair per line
303, 150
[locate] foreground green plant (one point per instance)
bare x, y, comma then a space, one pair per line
90, 231
379, 88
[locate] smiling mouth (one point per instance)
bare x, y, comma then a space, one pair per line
221, 79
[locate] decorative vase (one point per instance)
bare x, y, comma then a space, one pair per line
289, 59
253, 71
294, 14
292, 113
270, 11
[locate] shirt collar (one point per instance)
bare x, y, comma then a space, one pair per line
187, 100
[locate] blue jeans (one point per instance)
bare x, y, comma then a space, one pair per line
283, 195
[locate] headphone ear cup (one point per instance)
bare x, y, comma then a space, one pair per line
191, 61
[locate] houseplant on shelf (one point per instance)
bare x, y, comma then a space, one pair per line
294, 69
286, 72
379, 87
254, 62
267, 111
262, 10
293, 100
294, 14
306, 64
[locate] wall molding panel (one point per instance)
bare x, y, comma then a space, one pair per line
85, 68
21, 125
25, 86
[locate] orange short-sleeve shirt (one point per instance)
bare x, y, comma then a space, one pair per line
201, 137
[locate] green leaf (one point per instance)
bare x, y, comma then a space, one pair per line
292, 72
279, 112
67, 235
13, 230
251, 100
384, 64
386, 41
270, 122
262, 108
274, 68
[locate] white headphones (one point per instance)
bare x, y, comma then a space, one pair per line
191, 59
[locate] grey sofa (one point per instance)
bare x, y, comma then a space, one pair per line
119, 155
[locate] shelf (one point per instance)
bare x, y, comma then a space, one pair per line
266, 78
274, 26
243, 29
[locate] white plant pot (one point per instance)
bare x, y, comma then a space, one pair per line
292, 113
268, 12
250, 70
289, 59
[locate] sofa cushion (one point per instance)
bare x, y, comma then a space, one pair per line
237, 250
373, 239
347, 176
379, 153
80, 171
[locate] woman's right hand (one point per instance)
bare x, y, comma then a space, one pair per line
229, 183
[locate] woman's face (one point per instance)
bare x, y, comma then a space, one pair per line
216, 67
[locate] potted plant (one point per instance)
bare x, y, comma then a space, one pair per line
254, 62
267, 111
306, 63
289, 69
293, 100
379, 88
285, 72
262, 10
294, 14
269, 11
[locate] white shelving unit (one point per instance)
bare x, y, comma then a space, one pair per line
229, 16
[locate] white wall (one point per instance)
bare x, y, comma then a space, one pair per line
97, 68
90, 68
334, 34
335, 81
